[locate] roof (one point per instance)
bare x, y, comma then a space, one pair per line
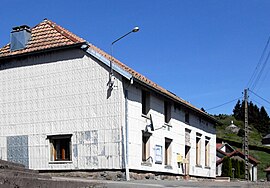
47, 35
267, 170
236, 153
267, 136
219, 145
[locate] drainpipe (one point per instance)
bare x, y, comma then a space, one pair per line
126, 133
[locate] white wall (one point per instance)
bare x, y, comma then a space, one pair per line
66, 96
176, 132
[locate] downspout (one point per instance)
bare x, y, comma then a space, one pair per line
127, 136
126, 141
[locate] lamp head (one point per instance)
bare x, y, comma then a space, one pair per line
135, 29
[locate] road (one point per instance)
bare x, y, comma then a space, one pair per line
167, 183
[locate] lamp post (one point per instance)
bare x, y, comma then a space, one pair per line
111, 82
134, 30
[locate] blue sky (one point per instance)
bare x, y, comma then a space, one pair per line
203, 51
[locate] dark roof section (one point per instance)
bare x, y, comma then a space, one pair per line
47, 36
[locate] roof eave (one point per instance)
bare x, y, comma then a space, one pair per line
76, 45
177, 101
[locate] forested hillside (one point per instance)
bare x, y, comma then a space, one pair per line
259, 126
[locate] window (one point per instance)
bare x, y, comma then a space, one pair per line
60, 147
187, 117
207, 151
145, 102
145, 146
168, 151
198, 149
167, 112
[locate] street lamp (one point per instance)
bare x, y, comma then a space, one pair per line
134, 30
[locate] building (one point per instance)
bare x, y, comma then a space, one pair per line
225, 149
267, 171
60, 110
266, 140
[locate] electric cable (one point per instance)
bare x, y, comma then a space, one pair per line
223, 104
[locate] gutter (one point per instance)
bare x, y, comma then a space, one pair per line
173, 99
77, 45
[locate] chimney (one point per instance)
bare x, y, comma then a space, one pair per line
19, 37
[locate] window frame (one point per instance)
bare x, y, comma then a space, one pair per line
167, 112
145, 99
207, 151
198, 149
60, 148
168, 152
146, 146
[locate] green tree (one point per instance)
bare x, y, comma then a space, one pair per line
237, 111
242, 169
263, 121
236, 166
226, 167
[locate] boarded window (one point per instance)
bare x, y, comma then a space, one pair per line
198, 150
145, 102
168, 151
60, 147
207, 151
145, 146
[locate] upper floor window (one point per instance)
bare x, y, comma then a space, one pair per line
167, 112
187, 117
145, 102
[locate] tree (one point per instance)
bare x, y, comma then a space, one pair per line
237, 111
236, 166
242, 169
226, 167
263, 121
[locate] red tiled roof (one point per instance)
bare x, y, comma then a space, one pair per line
47, 35
219, 145
234, 153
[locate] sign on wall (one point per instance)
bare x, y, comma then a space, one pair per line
158, 154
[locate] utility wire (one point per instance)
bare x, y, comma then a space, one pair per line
255, 73
261, 72
223, 104
259, 96
260, 104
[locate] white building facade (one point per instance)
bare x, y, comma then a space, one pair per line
60, 111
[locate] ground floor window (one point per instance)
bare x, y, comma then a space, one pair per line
207, 151
145, 145
60, 147
168, 151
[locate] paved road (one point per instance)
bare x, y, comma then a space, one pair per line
167, 183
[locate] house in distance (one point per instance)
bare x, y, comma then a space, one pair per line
60, 110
